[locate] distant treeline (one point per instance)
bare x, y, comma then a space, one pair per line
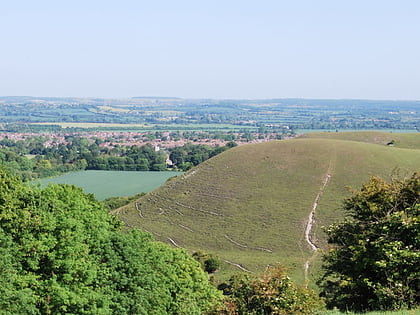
191, 155
32, 158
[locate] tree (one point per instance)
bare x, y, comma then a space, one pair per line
374, 264
178, 155
61, 252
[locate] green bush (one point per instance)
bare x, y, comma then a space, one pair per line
209, 263
113, 203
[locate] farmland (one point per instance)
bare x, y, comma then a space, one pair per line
207, 114
105, 184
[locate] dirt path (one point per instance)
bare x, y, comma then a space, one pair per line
310, 221
173, 242
236, 265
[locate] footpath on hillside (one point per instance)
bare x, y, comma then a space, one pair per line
311, 218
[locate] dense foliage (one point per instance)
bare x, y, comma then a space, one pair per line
60, 252
375, 262
190, 155
271, 294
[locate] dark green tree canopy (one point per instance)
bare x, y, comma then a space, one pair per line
62, 253
374, 264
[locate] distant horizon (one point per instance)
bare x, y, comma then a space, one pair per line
217, 98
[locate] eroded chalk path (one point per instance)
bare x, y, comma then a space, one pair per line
310, 221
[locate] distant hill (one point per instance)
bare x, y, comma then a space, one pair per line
400, 140
250, 204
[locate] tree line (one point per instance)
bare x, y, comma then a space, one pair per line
33, 159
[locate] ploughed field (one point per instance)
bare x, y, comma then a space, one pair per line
250, 205
105, 184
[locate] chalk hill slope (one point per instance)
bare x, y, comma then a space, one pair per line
399, 140
250, 204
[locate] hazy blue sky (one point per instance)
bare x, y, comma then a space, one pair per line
211, 48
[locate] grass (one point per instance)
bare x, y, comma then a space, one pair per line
400, 140
105, 184
389, 130
250, 204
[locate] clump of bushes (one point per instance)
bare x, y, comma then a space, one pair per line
208, 262
272, 293
113, 203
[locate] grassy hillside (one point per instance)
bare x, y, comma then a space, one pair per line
250, 204
399, 140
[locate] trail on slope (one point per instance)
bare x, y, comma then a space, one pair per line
237, 265
310, 221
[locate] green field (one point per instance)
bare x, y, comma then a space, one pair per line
250, 204
104, 184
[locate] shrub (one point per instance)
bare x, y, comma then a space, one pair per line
272, 293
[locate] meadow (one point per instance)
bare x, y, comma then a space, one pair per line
105, 184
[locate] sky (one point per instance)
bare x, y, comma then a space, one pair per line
360, 49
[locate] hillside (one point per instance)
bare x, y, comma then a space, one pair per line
399, 140
250, 204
